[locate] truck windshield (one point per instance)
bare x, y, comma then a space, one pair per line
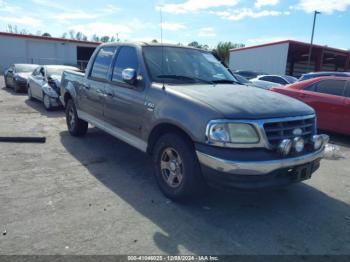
184, 65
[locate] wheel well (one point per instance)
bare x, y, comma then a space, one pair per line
67, 96
162, 129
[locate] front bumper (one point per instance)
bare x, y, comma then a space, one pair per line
258, 173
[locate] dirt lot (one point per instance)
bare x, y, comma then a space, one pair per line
96, 195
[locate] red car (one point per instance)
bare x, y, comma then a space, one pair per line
329, 96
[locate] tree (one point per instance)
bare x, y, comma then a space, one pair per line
46, 35
198, 45
154, 41
222, 50
95, 38
105, 39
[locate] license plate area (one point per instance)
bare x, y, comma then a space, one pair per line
301, 173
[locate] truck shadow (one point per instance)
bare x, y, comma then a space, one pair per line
38, 106
295, 220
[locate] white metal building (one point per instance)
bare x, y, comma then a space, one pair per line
289, 57
18, 48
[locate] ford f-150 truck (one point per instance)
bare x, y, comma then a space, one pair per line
186, 110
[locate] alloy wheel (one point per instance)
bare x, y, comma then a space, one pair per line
171, 166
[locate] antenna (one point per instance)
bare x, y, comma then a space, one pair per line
161, 42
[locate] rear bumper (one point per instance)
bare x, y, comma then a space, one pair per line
257, 174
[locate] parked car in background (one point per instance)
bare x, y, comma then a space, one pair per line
16, 76
183, 108
263, 84
282, 80
248, 74
320, 74
44, 84
329, 96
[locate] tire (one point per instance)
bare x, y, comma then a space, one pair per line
29, 92
16, 88
47, 102
76, 126
6, 84
176, 168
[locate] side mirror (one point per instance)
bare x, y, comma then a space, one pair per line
129, 76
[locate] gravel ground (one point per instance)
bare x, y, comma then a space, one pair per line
96, 195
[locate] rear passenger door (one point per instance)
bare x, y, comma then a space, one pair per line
92, 94
124, 107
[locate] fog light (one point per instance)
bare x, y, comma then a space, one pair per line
285, 147
298, 144
318, 141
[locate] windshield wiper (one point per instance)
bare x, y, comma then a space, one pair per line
181, 77
225, 81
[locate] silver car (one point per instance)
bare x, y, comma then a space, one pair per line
44, 84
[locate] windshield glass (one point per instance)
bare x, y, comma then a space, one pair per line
241, 79
59, 70
25, 68
184, 65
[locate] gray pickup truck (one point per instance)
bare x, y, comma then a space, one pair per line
186, 110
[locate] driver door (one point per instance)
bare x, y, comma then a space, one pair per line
38, 82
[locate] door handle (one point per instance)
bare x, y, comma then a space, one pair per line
87, 86
110, 94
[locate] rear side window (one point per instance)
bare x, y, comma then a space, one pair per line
331, 87
102, 62
279, 80
266, 78
127, 58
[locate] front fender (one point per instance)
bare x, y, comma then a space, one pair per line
48, 90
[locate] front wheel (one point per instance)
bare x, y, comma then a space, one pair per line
76, 126
177, 169
47, 102
30, 96
6, 83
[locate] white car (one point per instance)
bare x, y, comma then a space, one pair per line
44, 84
279, 79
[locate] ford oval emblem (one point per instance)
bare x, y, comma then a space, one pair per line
297, 132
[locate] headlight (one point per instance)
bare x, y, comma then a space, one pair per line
235, 133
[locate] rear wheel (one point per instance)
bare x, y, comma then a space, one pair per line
76, 126
177, 169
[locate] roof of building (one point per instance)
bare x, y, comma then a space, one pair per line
49, 38
290, 42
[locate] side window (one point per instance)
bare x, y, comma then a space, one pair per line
127, 58
311, 88
279, 80
102, 62
37, 71
347, 89
331, 87
266, 78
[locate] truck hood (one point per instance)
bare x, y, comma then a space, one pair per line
244, 102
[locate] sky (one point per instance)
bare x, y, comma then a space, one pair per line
208, 22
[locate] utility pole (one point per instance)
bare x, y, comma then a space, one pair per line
312, 36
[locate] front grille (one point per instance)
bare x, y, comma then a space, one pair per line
277, 131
